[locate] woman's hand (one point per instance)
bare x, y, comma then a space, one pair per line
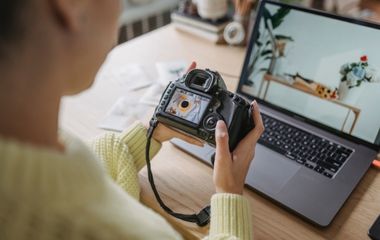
163, 133
230, 169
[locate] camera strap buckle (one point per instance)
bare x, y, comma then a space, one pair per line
203, 217
153, 123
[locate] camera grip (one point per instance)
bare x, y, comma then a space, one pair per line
238, 129
240, 126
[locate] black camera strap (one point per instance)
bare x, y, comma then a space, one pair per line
202, 218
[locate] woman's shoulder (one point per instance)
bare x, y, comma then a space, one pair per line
68, 194
31, 172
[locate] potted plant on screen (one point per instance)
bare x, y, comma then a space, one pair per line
267, 43
353, 78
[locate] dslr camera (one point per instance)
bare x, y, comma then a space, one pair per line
194, 103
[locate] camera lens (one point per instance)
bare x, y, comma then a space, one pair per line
185, 104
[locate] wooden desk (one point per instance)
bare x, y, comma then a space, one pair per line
185, 183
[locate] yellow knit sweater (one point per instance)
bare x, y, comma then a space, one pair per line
46, 194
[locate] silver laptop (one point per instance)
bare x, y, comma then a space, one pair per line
317, 79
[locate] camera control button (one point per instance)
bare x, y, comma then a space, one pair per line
238, 99
210, 122
204, 134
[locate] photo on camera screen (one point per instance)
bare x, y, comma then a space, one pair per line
187, 105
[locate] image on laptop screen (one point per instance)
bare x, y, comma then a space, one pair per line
325, 69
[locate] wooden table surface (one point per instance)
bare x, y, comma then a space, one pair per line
184, 182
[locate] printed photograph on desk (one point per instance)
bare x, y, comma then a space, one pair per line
327, 70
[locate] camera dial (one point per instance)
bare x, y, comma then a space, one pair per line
210, 122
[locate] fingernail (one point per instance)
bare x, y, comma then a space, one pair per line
220, 129
220, 124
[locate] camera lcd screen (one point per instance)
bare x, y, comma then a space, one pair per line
187, 105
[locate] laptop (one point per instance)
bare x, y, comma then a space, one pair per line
316, 77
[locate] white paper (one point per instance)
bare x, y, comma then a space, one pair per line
130, 77
171, 71
153, 94
122, 114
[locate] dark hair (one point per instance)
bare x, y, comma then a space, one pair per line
10, 20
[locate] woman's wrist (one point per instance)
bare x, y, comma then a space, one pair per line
229, 191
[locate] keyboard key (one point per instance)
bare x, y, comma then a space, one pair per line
328, 166
308, 165
341, 159
289, 155
312, 159
300, 160
319, 169
327, 174
333, 162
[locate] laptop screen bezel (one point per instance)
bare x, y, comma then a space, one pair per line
243, 76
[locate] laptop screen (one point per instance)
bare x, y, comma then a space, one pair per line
321, 67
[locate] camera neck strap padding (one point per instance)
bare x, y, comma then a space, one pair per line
202, 218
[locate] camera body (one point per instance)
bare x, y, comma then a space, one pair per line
195, 102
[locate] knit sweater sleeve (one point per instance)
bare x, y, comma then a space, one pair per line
230, 218
124, 156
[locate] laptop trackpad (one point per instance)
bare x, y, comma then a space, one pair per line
270, 171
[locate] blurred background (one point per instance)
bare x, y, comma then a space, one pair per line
142, 16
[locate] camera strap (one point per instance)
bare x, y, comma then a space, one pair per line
202, 218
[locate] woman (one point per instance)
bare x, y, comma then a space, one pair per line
52, 186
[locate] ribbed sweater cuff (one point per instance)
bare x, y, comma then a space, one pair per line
135, 138
230, 216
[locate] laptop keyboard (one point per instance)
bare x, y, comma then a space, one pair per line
309, 150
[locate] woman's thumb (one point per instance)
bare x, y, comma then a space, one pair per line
221, 139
